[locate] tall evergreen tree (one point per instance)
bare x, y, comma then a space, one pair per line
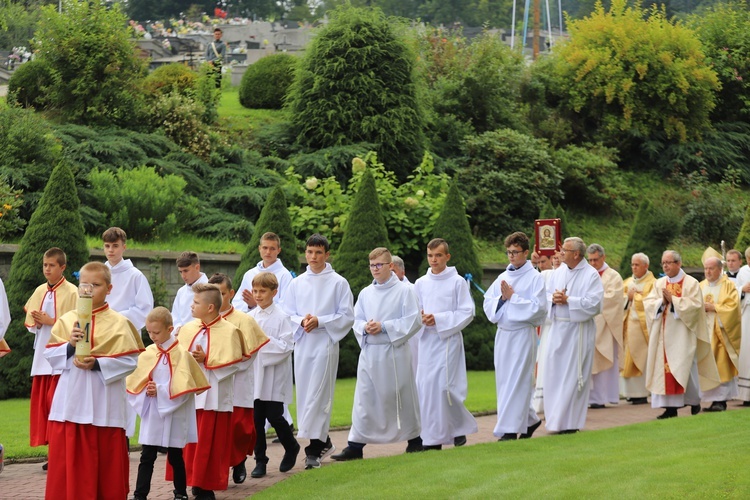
365, 231
274, 218
651, 234
55, 223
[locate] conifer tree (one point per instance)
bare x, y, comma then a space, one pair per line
55, 223
365, 231
274, 218
651, 234
743, 239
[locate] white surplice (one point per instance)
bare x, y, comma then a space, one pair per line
743, 378
165, 422
515, 345
4, 311
181, 313
273, 366
327, 296
570, 348
441, 374
283, 276
386, 407
131, 294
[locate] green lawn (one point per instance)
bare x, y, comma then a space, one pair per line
698, 457
14, 424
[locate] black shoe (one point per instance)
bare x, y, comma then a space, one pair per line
638, 401
716, 406
695, 409
348, 454
201, 494
668, 413
44, 467
746, 403
459, 440
239, 473
181, 496
195, 491
568, 431
508, 437
530, 431
139, 497
414, 446
289, 460
596, 406
432, 447
259, 470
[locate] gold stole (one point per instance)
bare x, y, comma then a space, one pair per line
66, 298
112, 335
185, 375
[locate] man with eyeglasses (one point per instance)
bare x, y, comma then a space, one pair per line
386, 407
605, 378
635, 330
679, 347
574, 298
722, 304
517, 303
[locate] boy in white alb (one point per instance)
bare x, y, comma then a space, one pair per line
319, 304
269, 249
386, 407
162, 390
131, 294
48, 303
273, 375
88, 415
189, 266
447, 308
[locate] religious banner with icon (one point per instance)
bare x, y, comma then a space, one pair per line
548, 236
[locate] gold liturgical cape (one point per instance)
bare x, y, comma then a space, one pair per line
608, 322
185, 377
681, 339
635, 327
724, 327
112, 334
254, 337
225, 343
66, 298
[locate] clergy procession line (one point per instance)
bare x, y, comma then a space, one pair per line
571, 335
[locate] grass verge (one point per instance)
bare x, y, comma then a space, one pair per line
700, 457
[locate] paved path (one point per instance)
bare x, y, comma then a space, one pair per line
27, 480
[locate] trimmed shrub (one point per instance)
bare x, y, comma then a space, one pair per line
274, 218
170, 78
712, 214
55, 223
507, 177
355, 84
139, 200
266, 82
365, 230
653, 229
180, 119
29, 85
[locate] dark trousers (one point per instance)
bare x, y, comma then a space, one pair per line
273, 411
146, 470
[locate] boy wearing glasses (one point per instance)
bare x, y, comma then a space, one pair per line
447, 308
517, 303
386, 407
319, 304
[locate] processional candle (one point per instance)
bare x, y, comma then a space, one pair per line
85, 301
